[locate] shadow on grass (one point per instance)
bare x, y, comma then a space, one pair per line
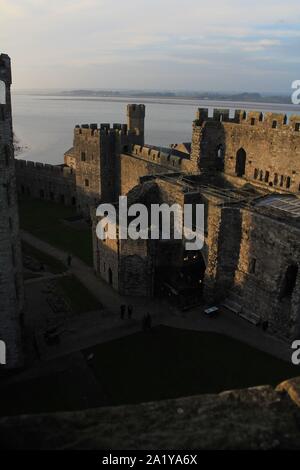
44, 220
167, 363
50, 264
158, 364
78, 296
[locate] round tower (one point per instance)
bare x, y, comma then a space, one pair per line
11, 283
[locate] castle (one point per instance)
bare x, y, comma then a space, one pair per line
244, 167
11, 283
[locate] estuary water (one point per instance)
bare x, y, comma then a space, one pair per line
44, 124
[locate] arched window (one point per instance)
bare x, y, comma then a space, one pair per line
281, 180
110, 276
220, 151
2, 92
240, 164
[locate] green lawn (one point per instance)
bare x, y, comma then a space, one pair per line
79, 298
51, 264
44, 219
165, 362
154, 365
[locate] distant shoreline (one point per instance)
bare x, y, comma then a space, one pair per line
258, 105
165, 95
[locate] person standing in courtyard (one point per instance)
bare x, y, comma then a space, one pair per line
129, 311
149, 321
69, 260
122, 311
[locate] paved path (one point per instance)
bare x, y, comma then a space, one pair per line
100, 289
225, 323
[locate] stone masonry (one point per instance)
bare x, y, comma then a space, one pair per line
244, 167
11, 284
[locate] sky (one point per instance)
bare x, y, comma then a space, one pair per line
200, 45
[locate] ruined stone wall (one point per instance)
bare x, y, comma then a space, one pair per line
69, 158
97, 153
87, 155
11, 281
142, 161
264, 258
49, 182
135, 272
105, 254
248, 262
270, 141
124, 264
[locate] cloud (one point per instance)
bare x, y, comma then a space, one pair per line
97, 36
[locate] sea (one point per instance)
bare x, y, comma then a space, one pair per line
43, 124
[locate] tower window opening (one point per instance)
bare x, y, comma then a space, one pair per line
289, 281
252, 266
2, 92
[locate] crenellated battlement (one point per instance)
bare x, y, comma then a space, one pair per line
95, 130
157, 156
251, 118
53, 170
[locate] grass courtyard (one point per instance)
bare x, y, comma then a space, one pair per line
78, 296
50, 264
167, 363
45, 220
154, 365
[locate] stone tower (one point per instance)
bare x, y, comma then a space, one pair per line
136, 119
11, 283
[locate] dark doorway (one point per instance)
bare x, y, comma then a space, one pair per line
181, 283
240, 164
110, 276
289, 281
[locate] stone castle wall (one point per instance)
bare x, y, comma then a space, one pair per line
270, 143
11, 281
50, 182
248, 147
